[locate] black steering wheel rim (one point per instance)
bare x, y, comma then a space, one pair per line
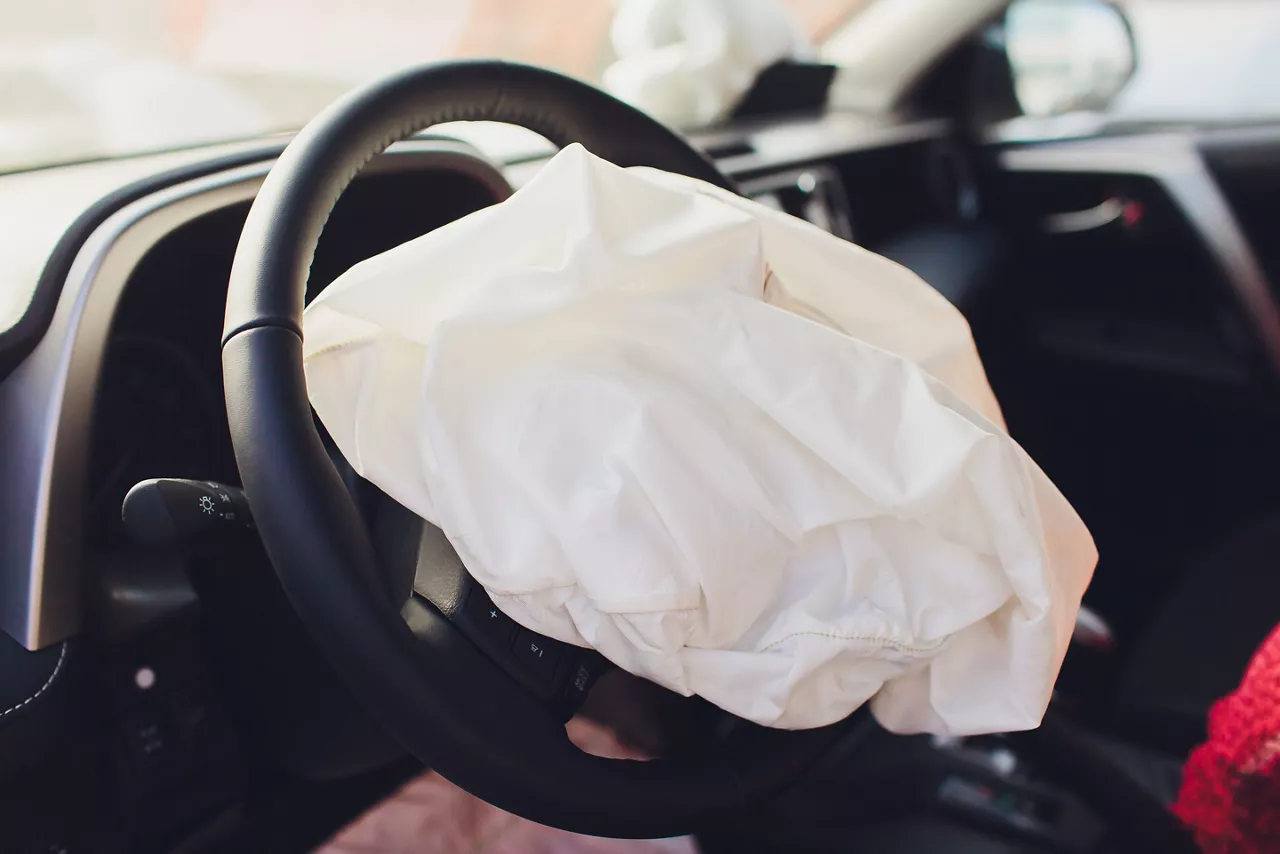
430, 687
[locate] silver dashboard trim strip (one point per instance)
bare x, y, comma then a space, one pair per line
47, 402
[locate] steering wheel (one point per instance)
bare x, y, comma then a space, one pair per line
430, 684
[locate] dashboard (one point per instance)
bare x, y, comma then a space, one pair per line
1115, 264
113, 370
124, 382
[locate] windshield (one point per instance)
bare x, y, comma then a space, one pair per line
83, 79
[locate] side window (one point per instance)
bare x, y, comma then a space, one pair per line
1146, 60
1203, 60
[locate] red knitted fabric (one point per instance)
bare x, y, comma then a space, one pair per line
1230, 793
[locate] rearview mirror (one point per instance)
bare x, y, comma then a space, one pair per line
1067, 55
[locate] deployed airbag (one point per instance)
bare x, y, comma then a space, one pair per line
735, 454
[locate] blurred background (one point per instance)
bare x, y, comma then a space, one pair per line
85, 78
89, 78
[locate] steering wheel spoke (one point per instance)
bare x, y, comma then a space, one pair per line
559, 675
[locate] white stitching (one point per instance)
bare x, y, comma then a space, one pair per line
45, 687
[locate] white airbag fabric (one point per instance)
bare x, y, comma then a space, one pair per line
689, 62
736, 455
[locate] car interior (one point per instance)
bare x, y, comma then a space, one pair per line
209, 686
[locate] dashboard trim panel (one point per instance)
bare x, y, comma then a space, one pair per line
1175, 162
17, 340
48, 399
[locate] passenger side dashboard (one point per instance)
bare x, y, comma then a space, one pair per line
1134, 343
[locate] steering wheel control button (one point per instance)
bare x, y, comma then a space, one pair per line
584, 670
486, 619
537, 655
149, 738
170, 511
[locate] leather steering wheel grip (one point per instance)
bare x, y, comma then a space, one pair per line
428, 685
320, 162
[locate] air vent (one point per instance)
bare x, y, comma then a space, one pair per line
723, 149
